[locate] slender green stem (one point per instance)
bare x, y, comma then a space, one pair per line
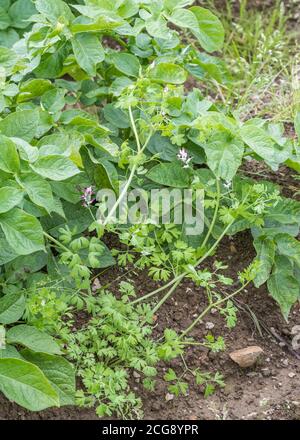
58, 243
91, 212
211, 306
214, 219
138, 143
210, 251
164, 299
123, 192
133, 169
154, 292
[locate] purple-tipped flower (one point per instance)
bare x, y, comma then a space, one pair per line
87, 197
184, 157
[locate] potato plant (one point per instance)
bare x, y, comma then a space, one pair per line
94, 95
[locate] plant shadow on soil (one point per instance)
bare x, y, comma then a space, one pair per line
269, 390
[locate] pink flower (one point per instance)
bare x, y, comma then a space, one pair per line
87, 197
184, 157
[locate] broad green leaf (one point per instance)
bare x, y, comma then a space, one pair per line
7, 253
65, 144
9, 158
32, 88
83, 121
55, 167
128, 8
88, 52
170, 174
23, 231
58, 371
176, 4
265, 249
209, 66
163, 147
45, 123
24, 265
12, 306
39, 191
104, 144
32, 338
8, 58
119, 85
8, 37
293, 164
9, 352
27, 152
53, 100
5, 4
169, 73
22, 124
20, 13
78, 218
68, 189
157, 27
264, 146
116, 116
283, 286
4, 19
9, 198
106, 175
25, 384
286, 212
54, 10
51, 64
2, 337
126, 63
288, 246
185, 18
211, 31
98, 24
224, 155
95, 8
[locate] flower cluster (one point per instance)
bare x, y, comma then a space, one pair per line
184, 157
88, 197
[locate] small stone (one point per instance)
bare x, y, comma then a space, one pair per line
136, 375
295, 330
156, 406
285, 362
291, 375
193, 417
169, 397
266, 372
209, 325
252, 374
213, 311
96, 285
246, 357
